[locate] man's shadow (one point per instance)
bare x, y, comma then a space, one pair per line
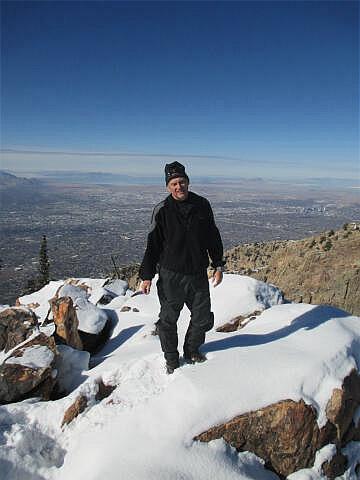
308, 321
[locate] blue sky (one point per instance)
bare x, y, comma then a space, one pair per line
227, 88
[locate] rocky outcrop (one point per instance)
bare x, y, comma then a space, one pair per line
286, 434
66, 322
324, 269
16, 325
29, 371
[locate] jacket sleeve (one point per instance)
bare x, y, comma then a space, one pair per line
215, 246
155, 241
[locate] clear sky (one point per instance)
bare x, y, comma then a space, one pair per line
227, 88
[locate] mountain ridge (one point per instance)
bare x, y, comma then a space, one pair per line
322, 269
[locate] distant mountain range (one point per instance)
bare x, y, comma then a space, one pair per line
15, 190
109, 178
8, 180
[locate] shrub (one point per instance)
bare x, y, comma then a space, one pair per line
328, 245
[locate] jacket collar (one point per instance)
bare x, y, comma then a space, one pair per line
170, 201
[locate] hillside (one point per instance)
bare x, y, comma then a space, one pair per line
323, 269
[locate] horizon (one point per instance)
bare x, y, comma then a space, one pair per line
249, 89
113, 178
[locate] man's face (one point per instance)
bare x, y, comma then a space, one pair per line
179, 188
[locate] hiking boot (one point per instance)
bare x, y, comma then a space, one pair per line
170, 367
195, 357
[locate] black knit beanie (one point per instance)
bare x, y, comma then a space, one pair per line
174, 170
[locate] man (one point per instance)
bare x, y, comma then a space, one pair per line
182, 236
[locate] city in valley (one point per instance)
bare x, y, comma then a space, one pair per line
86, 224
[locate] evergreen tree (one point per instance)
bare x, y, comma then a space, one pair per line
44, 263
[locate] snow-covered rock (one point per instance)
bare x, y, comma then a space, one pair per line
29, 370
91, 318
71, 365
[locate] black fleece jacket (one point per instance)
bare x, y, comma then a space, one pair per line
182, 237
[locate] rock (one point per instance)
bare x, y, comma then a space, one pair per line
342, 405
104, 391
105, 299
16, 325
135, 310
335, 467
74, 410
92, 319
66, 322
116, 287
233, 325
238, 322
283, 434
82, 402
286, 434
93, 342
29, 371
84, 326
130, 273
73, 288
125, 309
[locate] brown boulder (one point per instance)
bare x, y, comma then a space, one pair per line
342, 405
66, 322
27, 379
283, 434
286, 434
16, 325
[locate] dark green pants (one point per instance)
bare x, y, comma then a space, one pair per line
175, 289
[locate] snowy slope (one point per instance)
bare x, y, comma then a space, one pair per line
144, 430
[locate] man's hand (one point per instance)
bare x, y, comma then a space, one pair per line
145, 286
217, 278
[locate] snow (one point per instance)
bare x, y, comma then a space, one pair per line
144, 430
91, 318
73, 291
36, 356
70, 364
41, 297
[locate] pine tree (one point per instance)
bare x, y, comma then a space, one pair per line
44, 263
